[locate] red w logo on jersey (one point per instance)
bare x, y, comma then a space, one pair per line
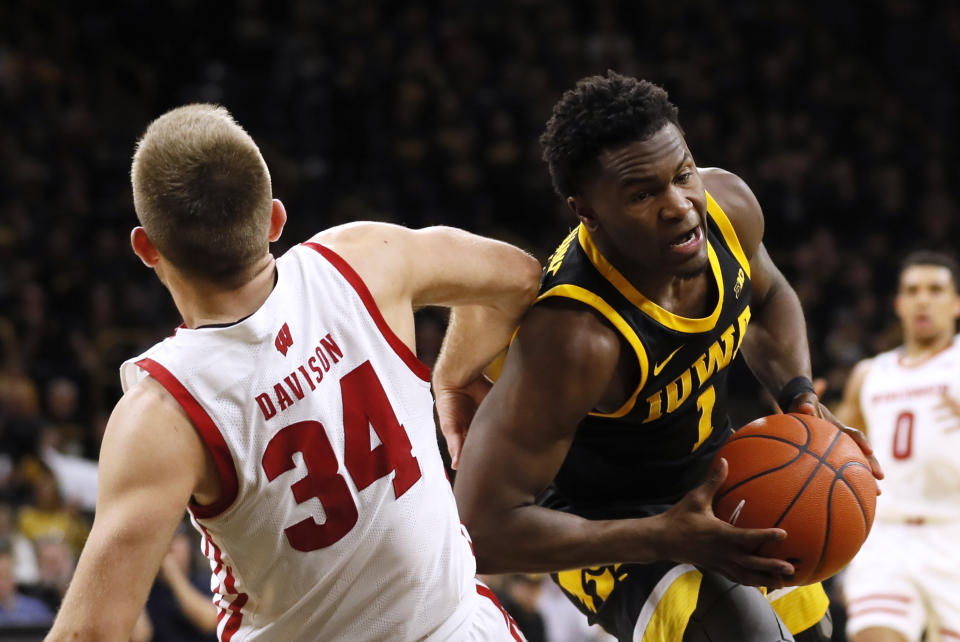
284, 339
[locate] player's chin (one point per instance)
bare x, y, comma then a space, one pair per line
691, 266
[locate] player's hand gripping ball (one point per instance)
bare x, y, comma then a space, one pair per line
802, 474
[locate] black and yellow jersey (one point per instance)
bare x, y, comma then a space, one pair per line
660, 442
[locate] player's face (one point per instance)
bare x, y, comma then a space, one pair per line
927, 302
648, 203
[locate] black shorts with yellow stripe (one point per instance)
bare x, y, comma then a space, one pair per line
658, 602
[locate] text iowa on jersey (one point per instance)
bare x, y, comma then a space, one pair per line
717, 357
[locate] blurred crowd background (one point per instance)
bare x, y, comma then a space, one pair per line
840, 115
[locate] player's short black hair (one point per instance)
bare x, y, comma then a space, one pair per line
930, 257
600, 112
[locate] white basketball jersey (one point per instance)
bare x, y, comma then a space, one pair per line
336, 519
915, 436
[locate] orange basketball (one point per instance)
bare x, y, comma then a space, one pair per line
804, 475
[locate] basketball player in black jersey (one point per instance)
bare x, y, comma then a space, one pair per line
588, 457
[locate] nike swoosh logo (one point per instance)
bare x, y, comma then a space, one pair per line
657, 367
736, 512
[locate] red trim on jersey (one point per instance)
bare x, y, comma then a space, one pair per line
949, 634
881, 596
483, 590
232, 610
403, 351
875, 609
210, 435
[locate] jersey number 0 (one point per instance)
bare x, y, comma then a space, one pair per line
365, 404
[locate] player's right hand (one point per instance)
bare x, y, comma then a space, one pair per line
694, 534
456, 407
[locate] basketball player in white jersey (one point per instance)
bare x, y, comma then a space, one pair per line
906, 578
289, 412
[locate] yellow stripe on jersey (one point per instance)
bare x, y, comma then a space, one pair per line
651, 309
594, 301
802, 607
729, 235
672, 613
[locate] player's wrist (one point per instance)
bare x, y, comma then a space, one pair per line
792, 390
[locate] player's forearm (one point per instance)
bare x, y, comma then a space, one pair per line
533, 539
775, 346
476, 334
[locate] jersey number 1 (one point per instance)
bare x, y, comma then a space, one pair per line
365, 404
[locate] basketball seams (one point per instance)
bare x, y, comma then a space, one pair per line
823, 543
839, 478
826, 529
853, 491
821, 461
766, 471
801, 448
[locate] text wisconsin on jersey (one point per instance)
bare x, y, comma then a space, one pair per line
326, 354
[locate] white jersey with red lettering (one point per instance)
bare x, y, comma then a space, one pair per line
905, 577
336, 519
915, 434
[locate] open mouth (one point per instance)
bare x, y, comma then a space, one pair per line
687, 240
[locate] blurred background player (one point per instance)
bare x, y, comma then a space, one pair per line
588, 457
289, 412
906, 578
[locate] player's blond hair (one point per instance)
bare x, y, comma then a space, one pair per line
202, 192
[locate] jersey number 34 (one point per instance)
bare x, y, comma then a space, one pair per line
365, 404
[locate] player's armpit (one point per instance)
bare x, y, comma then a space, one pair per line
151, 461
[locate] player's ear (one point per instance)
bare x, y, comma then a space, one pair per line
143, 247
582, 210
278, 218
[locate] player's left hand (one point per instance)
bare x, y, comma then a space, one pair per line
808, 403
456, 407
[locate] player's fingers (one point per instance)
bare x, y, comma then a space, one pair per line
806, 408
819, 386
751, 539
749, 577
864, 444
715, 479
454, 444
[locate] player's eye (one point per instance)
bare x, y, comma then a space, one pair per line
683, 179
639, 196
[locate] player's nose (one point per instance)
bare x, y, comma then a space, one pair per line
676, 205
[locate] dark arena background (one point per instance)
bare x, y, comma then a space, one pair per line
842, 117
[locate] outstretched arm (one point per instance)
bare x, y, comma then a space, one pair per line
487, 284
150, 462
560, 366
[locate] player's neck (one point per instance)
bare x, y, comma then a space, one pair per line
690, 296
203, 304
916, 351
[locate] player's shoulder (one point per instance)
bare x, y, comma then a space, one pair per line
359, 233
149, 397
862, 368
147, 412
738, 202
574, 331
